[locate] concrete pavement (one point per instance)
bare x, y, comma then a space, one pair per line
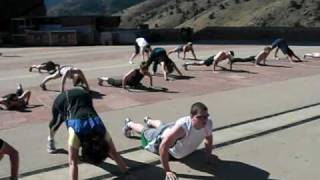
235, 100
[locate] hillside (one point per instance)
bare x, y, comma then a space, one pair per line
202, 13
87, 7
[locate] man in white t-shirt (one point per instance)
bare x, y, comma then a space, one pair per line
176, 140
141, 46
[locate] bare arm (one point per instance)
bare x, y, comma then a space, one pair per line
14, 159
165, 75
125, 78
208, 143
83, 78
73, 163
276, 53
150, 78
184, 53
64, 77
175, 134
176, 68
194, 55
117, 158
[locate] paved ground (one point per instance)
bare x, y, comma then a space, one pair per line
242, 96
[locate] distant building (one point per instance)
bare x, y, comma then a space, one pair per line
16, 8
66, 30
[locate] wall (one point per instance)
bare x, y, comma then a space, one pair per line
259, 34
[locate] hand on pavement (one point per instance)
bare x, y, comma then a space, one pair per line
171, 176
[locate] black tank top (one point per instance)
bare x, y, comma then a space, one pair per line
135, 78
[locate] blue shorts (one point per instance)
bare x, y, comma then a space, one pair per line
83, 127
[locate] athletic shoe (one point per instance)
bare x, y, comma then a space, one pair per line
51, 148
127, 131
130, 62
19, 90
100, 81
43, 87
185, 66
146, 119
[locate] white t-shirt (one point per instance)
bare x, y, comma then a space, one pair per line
64, 70
141, 42
192, 139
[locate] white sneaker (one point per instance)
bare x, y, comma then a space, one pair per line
185, 67
130, 62
146, 119
127, 131
100, 81
51, 148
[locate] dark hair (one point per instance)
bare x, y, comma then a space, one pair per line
197, 107
232, 53
94, 148
143, 65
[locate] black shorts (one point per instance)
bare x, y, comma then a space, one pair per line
115, 82
1, 143
248, 59
286, 50
209, 61
136, 48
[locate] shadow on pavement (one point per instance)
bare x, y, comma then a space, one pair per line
153, 171
24, 110
96, 94
10, 56
222, 169
143, 88
277, 66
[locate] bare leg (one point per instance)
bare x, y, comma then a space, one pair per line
132, 57
101, 79
173, 51
136, 127
154, 123
200, 63
14, 159
56, 75
34, 67
294, 55
25, 96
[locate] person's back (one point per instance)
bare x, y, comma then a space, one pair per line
135, 78
77, 101
141, 42
280, 43
157, 51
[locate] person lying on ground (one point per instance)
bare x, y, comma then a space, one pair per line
259, 59
49, 67
85, 130
174, 140
75, 74
16, 101
132, 78
7, 149
184, 49
215, 59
